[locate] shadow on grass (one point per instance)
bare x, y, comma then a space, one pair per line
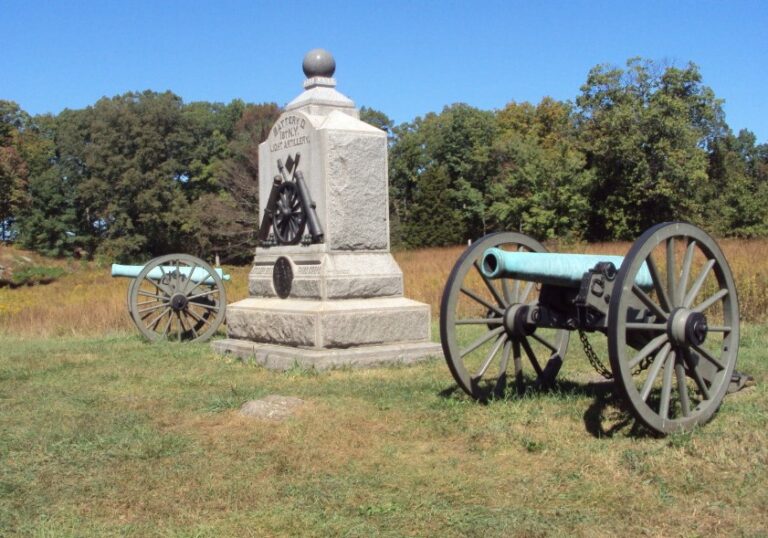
598, 421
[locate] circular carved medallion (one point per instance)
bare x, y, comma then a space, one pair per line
282, 277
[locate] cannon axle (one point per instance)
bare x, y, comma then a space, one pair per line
516, 321
687, 327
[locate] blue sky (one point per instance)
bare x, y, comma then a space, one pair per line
405, 58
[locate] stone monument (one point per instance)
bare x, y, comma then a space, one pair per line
324, 289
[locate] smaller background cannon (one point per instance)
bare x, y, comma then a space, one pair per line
668, 309
175, 297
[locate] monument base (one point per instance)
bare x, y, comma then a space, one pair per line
276, 357
280, 333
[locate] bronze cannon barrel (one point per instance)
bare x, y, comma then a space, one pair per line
550, 267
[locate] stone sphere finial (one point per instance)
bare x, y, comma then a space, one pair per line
319, 63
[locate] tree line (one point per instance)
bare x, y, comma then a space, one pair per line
144, 174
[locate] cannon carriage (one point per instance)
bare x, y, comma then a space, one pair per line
668, 308
175, 297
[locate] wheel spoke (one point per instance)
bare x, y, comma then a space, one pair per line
156, 301
168, 325
176, 275
194, 331
685, 272
666, 386
516, 357
646, 326
482, 301
653, 372
526, 292
712, 300
707, 355
647, 301
543, 342
197, 285
649, 348
698, 283
501, 381
204, 294
505, 291
671, 270
657, 285
516, 295
479, 321
682, 389
505, 357
159, 286
195, 315
531, 356
153, 295
170, 289
494, 350
482, 340
192, 270
695, 374
153, 324
151, 308
209, 307
490, 286
182, 329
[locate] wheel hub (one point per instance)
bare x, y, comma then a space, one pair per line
515, 321
178, 301
687, 327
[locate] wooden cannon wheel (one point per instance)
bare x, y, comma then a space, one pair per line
177, 297
479, 331
673, 348
290, 217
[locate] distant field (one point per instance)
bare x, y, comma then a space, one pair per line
88, 302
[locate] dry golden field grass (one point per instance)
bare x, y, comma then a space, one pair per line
86, 301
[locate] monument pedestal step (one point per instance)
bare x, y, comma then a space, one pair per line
277, 357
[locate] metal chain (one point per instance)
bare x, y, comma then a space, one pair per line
599, 367
645, 363
594, 360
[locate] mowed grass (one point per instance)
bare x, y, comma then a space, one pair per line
103, 434
114, 436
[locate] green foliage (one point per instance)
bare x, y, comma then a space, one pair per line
378, 119
645, 132
233, 234
13, 168
427, 226
738, 173
641, 145
138, 175
143, 174
542, 185
451, 150
35, 275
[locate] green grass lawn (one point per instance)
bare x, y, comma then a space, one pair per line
114, 436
